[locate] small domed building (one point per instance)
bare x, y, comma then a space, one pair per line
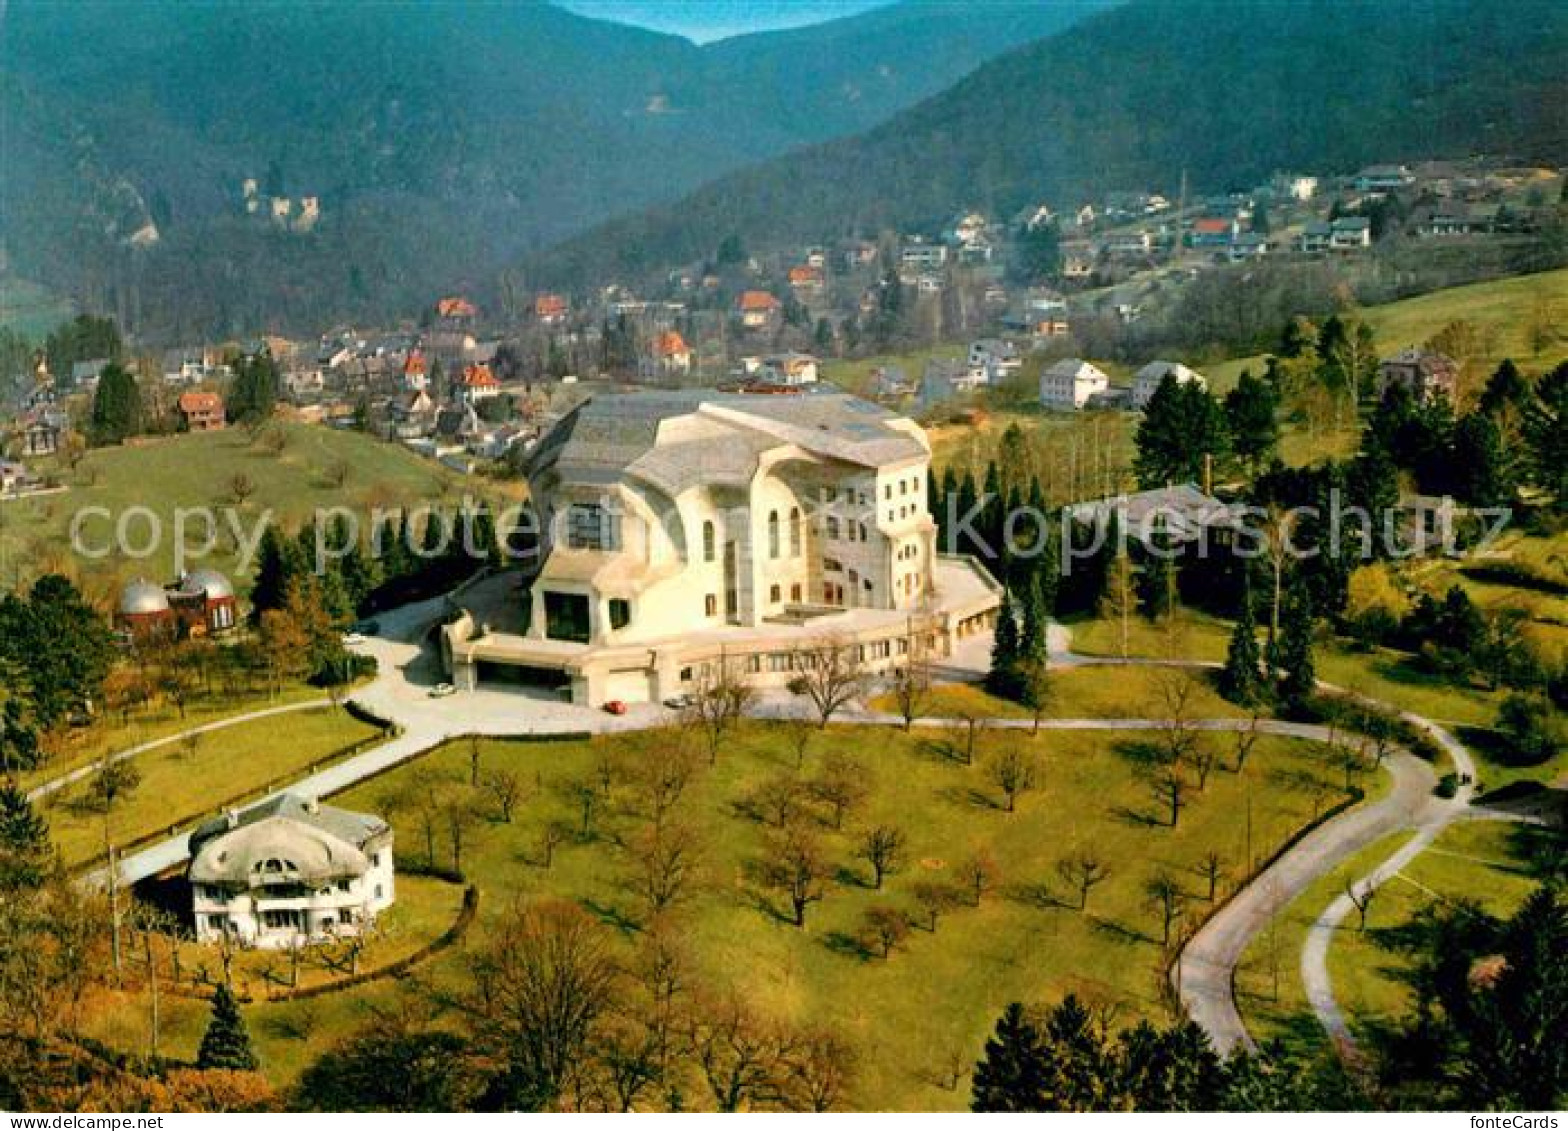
201, 603
289, 871
144, 613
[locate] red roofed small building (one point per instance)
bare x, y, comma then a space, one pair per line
805, 280
550, 310
456, 308
201, 412
668, 356
1426, 373
1213, 231
759, 310
479, 382
416, 374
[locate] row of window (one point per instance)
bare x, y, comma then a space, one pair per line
777, 662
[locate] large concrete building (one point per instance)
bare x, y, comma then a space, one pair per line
678, 527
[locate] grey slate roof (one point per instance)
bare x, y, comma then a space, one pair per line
609, 437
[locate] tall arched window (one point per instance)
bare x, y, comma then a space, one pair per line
708, 542
773, 534
794, 532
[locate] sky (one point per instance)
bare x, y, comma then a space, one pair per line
704, 20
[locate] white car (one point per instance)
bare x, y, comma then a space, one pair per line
442, 690
679, 702
353, 638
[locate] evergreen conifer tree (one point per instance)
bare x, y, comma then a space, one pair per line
226, 1043
1011, 1074
1297, 673
1005, 652
1240, 680
24, 841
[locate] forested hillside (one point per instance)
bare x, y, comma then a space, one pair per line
441, 140
1228, 91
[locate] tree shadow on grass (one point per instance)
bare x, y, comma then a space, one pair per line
847, 945
966, 797
1120, 932
1127, 815
612, 916
1037, 894
1140, 753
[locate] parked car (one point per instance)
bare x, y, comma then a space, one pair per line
442, 690
352, 638
615, 707
680, 702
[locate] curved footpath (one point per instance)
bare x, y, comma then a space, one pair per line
1204, 972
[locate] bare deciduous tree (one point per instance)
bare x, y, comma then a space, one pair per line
1166, 897
666, 859
831, 674
718, 703
911, 680
506, 790
1361, 898
883, 928
843, 786
935, 899
1082, 871
1213, 868
798, 868
882, 846
1012, 769
978, 873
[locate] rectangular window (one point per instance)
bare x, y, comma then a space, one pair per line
566, 617
794, 593
589, 527
773, 594
710, 605
620, 612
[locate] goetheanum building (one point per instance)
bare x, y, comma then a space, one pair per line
289, 871
680, 527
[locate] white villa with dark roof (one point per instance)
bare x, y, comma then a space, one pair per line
684, 526
289, 871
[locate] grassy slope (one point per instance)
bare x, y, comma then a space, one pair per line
178, 784
1502, 308
1476, 860
936, 997
196, 471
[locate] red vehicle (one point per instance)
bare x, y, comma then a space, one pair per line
615, 707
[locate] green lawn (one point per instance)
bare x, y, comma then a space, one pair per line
1191, 635
178, 784
199, 470
938, 995
1480, 860
1501, 309
1086, 693
159, 718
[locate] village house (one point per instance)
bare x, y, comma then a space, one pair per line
944, 379
667, 356
759, 311
43, 431
687, 529
1425, 373
1147, 380
994, 359
15, 477
806, 280
416, 374
1070, 383
890, 382
551, 310
1295, 186
85, 374
1377, 180
289, 871
1247, 245
1213, 231
455, 310
191, 365
785, 369
1350, 233
920, 256
1179, 514
1315, 237
478, 383
200, 412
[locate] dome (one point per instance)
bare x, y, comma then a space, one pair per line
207, 581
276, 850
143, 598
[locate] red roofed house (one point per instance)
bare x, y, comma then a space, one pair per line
456, 308
1213, 231
201, 412
479, 382
550, 310
759, 310
668, 356
416, 375
805, 280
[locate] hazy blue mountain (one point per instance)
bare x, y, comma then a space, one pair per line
442, 139
1227, 90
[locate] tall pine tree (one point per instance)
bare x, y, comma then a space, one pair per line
25, 852
1011, 1074
1241, 680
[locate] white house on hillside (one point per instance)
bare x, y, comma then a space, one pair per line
1070, 383
289, 871
1148, 379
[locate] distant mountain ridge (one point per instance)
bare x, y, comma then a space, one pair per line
1227, 90
441, 139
